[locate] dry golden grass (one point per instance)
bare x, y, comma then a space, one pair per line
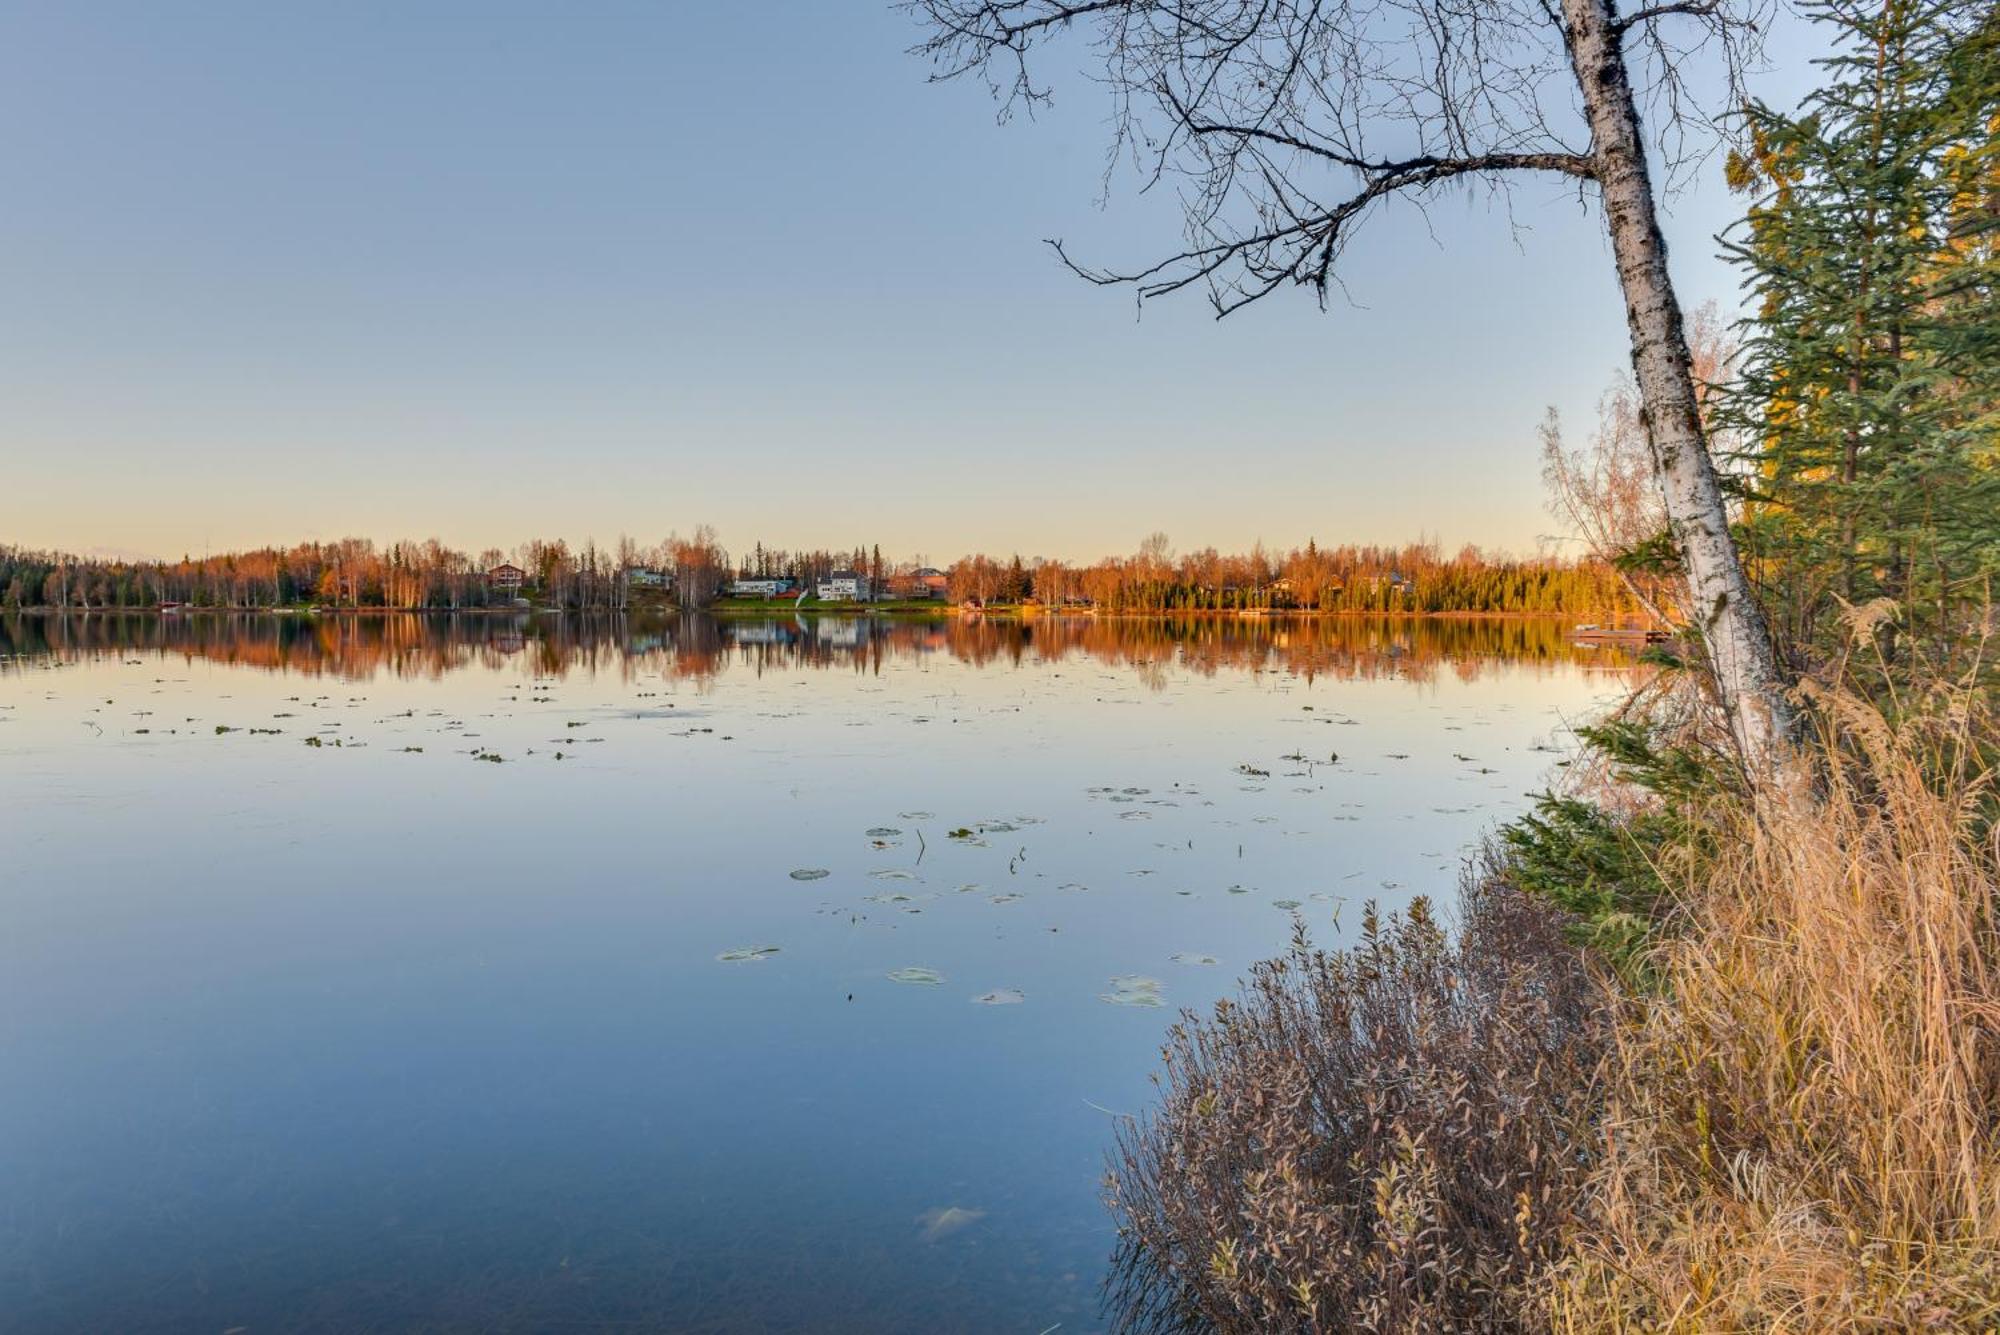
1800, 1129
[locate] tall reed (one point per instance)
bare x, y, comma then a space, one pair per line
1800, 1118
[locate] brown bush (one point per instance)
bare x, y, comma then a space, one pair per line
1384, 1138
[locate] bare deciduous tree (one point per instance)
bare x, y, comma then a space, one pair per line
1606, 494
1272, 115
1606, 491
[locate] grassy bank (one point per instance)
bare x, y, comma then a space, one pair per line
1688, 1063
1800, 1113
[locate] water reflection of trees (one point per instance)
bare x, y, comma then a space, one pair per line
413, 645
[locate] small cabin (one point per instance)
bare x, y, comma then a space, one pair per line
506, 577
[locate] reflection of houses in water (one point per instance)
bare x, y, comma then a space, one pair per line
760, 632
841, 633
431, 644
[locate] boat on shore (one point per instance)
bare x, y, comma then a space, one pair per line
1591, 632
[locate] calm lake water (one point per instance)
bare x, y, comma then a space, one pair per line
375, 1034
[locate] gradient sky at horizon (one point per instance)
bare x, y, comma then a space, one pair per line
500, 270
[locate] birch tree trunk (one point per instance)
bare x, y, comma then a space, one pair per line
1733, 629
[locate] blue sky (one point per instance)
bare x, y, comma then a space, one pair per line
492, 270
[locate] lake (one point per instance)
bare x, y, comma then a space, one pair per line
416, 973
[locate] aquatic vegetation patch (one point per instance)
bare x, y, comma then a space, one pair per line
896, 897
811, 874
1134, 989
1004, 996
917, 975
746, 954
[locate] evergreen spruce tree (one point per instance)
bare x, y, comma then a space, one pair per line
1871, 374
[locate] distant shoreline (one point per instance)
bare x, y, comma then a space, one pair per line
776, 610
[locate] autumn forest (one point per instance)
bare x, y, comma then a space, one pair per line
356, 573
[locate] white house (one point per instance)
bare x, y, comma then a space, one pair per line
845, 586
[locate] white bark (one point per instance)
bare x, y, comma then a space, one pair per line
1732, 626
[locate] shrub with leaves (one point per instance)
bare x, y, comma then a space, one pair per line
1383, 1138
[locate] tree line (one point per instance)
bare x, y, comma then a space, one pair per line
357, 573
1416, 577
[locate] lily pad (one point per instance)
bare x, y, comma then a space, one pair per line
920, 976
1287, 904
896, 897
884, 832
811, 874
746, 954
1134, 989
